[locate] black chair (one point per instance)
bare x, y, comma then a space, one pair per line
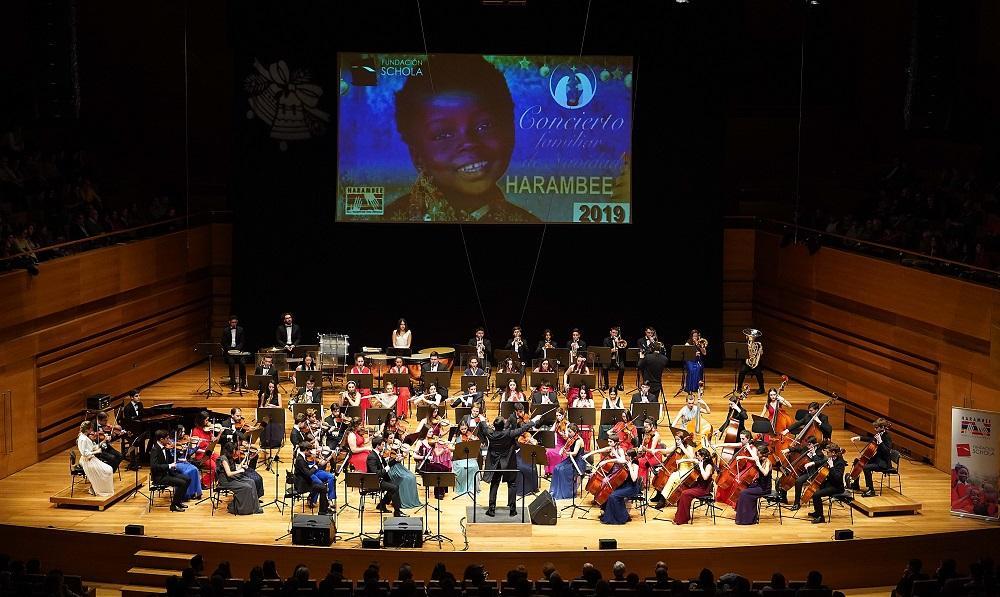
771, 500
215, 497
75, 470
814, 593
893, 470
158, 489
926, 588
706, 501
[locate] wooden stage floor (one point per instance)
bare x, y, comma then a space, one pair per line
24, 501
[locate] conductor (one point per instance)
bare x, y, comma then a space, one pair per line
652, 367
501, 441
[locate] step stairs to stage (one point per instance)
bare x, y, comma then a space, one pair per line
152, 569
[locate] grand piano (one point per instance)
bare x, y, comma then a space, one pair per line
163, 416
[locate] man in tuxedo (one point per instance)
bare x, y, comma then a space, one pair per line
164, 470
474, 368
652, 369
471, 397
834, 483
518, 345
288, 333
576, 341
301, 432
487, 347
500, 441
434, 364
133, 409
644, 396
380, 466
544, 395
803, 418
475, 417
232, 339
617, 360
307, 480
310, 394
266, 367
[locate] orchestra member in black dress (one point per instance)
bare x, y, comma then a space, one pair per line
834, 483
267, 368
617, 344
882, 460
268, 395
232, 340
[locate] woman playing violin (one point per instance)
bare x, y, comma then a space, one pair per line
466, 469
359, 443
571, 466
704, 469
554, 456
436, 456
186, 447
395, 451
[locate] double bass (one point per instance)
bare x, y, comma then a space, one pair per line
698, 427
608, 476
731, 433
810, 429
780, 420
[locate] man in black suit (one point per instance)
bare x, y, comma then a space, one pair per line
232, 339
802, 419
518, 345
380, 466
266, 367
434, 364
474, 369
544, 395
310, 394
882, 460
483, 346
834, 483
164, 470
652, 369
816, 457
576, 341
133, 409
305, 480
288, 333
617, 359
501, 441
472, 396
644, 396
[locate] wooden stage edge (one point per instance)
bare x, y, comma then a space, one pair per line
82, 498
849, 564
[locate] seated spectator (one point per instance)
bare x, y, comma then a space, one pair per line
618, 570
778, 583
912, 572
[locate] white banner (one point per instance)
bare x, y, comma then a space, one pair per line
975, 462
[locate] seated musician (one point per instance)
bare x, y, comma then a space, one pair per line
544, 344
736, 412
232, 352
431, 397
746, 505
544, 395
434, 454
471, 397
433, 422
231, 427
684, 445
133, 409
475, 417
394, 449
569, 457
705, 469
268, 396
625, 430
510, 366
185, 448
834, 483
99, 473
359, 444
882, 460
434, 364
163, 470
360, 368
207, 434
106, 435
544, 366
335, 423
822, 420
267, 367
385, 399
233, 478
614, 402
615, 510
301, 432
466, 469
308, 364
351, 396
474, 369
287, 334
249, 454
377, 464
309, 394
511, 393
644, 396
693, 406
648, 458
306, 479
816, 457
579, 367
583, 398
398, 366
561, 435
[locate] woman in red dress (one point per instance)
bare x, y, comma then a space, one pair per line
359, 444
584, 399
704, 469
207, 436
360, 368
403, 403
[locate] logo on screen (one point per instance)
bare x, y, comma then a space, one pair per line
963, 450
976, 426
364, 201
572, 87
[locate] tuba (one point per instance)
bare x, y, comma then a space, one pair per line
754, 348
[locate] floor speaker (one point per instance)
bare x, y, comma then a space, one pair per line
312, 530
542, 509
403, 531
135, 529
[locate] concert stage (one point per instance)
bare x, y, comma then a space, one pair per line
876, 555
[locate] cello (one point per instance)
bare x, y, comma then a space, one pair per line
867, 453
734, 477
608, 476
670, 464
780, 420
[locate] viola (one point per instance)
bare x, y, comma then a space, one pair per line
609, 476
734, 477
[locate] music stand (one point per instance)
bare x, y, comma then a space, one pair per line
507, 408
575, 379
533, 453
583, 416
460, 413
678, 354
134, 455
761, 425
463, 352
481, 381
436, 479
362, 482
469, 450
632, 358
502, 354
260, 381
502, 379
424, 410
538, 378
211, 349
548, 412
399, 380
739, 352
609, 416
304, 406
647, 409
363, 380
352, 412
559, 355
375, 417
442, 379
274, 432
602, 355
577, 486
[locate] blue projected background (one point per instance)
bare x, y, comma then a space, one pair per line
560, 154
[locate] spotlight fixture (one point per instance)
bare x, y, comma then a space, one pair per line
683, 1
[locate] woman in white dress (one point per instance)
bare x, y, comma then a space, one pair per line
100, 475
402, 338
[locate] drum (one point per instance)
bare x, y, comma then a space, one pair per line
333, 349
446, 354
415, 364
379, 364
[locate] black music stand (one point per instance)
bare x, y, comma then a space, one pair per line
134, 454
602, 360
469, 450
399, 380
577, 487
460, 413
363, 380
436, 479
559, 355
507, 408
609, 416
739, 352
442, 379
210, 349
575, 379
274, 432
502, 379
502, 354
532, 453
259, 382
375, 417
481, 381
363, 482
651, 410
423, 410
463, 352
678, 354
583, 416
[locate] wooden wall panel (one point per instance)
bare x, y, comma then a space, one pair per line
892, 341
106, 321
18, 446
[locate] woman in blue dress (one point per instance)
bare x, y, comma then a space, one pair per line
565, 474
186, 468
695, 369
615, 510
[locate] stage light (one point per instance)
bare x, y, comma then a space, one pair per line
683, 1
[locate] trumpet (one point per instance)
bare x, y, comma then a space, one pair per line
702, 343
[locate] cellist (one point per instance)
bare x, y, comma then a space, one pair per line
615, 510
826, 429
705, 469
814, 452
746, 506
882, 460
684, 443
834, 483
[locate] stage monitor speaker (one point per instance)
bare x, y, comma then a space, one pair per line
370, 543
312, 530
607, 544
98, 401
542, 509
403, 531
135, 529
841, 534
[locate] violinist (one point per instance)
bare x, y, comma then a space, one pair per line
617, 344
433, 422
644, 396
544, 344
560, 429
351, 396
471, 397
467, 469
544, 396
544, 366
704, 469
571, 464
163, 469
746, 506
335, 422
301, 432
99, 473
579, 366
106, 434
380, 465
268, 395
184, 447
814, 452
822, 420
648, 459
231, 426
359, 443
393, 453
518, 345
436, 454
882, 460
834, 483
474, 370
207, 436
584, 399
317, 427
527, 481
511, 393
248, 455
684, 446
500, 440
306, 479
474, 418
232, 477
